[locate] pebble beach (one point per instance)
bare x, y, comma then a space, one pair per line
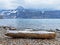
4, 40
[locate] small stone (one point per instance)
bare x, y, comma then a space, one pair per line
1, 44
12, 28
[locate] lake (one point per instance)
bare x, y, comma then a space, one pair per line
31, 23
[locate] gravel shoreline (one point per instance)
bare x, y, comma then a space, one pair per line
4, 40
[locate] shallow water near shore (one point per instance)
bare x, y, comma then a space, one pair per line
31, 23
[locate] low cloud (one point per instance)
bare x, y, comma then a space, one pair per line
37, 4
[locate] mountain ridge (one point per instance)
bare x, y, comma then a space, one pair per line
23, 13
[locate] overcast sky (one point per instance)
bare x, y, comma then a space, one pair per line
36, 4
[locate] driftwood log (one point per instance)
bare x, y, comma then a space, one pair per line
30, 34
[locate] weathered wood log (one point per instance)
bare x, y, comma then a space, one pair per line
30, 34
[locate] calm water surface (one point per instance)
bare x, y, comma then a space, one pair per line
32, 23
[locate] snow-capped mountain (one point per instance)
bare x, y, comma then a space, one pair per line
21, 12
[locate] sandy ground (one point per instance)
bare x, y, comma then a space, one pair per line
4, 40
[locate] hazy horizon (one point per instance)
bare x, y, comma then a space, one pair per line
31, 4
